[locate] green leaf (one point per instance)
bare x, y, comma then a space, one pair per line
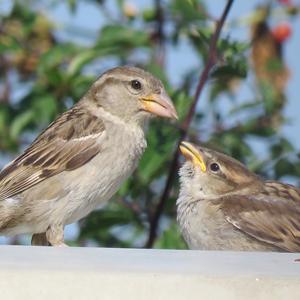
9, 44
45, 108
121, 37
171, 239
284, 167
20, 122
282, 147
149, 15
188, 11
237, 70
72, 5
55, 57
151, 164
80, 60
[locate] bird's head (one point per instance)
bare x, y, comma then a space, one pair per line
208, 173
132, 94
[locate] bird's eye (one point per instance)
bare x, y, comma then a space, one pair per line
135, 84
214, 167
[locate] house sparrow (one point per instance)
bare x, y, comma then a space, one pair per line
224, 206
83, 157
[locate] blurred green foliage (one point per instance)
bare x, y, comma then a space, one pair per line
42, 74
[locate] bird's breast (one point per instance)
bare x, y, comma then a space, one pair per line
204, 227
99, 180
200, 224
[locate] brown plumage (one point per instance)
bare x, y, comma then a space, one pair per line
59, 148
224, 206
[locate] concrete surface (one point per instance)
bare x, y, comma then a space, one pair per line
101, 273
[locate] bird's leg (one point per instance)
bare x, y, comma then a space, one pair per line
55, 235
39, 239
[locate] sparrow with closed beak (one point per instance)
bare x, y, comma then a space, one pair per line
224, 206
82, 158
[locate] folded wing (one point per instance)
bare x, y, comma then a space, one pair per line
68, 143
272, 217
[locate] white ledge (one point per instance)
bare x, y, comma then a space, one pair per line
101, 273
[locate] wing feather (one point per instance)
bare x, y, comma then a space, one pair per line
68, 143
273, 217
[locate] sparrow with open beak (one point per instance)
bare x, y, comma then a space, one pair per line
83, 157
224, 206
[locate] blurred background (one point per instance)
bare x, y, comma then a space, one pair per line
51, 51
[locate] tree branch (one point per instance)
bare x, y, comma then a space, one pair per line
212, 59
159, 34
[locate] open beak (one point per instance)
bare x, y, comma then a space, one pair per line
160, 105
190, 152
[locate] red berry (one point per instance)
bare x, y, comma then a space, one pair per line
286, 2
282, 32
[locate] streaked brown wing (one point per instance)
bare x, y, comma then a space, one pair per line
68, 143
269, 218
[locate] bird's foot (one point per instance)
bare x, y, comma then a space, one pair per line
39, 239
55, 235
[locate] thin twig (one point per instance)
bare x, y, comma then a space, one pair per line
160, 35
5, 95
212, 59
133, 206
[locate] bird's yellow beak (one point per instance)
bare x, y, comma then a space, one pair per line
160, 105
190, 152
